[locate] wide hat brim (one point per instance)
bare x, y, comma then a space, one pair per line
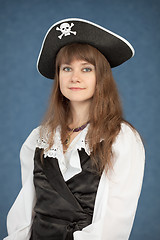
115, 48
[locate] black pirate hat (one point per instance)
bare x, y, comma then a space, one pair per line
74, 30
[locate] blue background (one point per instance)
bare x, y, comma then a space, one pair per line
24, 93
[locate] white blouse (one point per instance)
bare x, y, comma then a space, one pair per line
117, 195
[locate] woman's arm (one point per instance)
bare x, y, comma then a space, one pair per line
20, 216
119, 191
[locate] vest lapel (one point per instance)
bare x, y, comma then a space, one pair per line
56, 180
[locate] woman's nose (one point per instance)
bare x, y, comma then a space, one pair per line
75, 76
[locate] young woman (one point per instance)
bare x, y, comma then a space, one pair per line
82, 169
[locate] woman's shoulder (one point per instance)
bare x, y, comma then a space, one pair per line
128, 131
127, 138
32, 139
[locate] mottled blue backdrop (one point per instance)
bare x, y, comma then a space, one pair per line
24, 93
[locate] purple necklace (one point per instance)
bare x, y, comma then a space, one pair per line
77, 129
71, 130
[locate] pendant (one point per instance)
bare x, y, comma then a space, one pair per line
67, 141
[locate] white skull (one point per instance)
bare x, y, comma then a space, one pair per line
65, 29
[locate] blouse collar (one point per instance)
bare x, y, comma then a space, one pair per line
71, 158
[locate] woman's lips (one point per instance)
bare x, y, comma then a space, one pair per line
76, 89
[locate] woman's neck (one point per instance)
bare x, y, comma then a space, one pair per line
80, 114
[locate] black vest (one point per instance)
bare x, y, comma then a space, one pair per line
62, 207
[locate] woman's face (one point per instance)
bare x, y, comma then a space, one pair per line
77, 80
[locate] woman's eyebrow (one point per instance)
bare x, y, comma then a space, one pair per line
65, 64
86, 63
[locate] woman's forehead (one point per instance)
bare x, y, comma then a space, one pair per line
73, 52
71, 59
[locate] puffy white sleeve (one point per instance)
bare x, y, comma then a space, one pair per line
20, 216
118, 191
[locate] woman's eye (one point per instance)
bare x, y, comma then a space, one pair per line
67, 69
87, 69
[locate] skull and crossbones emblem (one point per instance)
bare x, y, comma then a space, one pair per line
65, 29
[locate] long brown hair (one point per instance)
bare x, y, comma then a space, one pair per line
105, 114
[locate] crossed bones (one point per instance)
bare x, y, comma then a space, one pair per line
65, 29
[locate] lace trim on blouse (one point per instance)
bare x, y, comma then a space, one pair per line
56, 151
